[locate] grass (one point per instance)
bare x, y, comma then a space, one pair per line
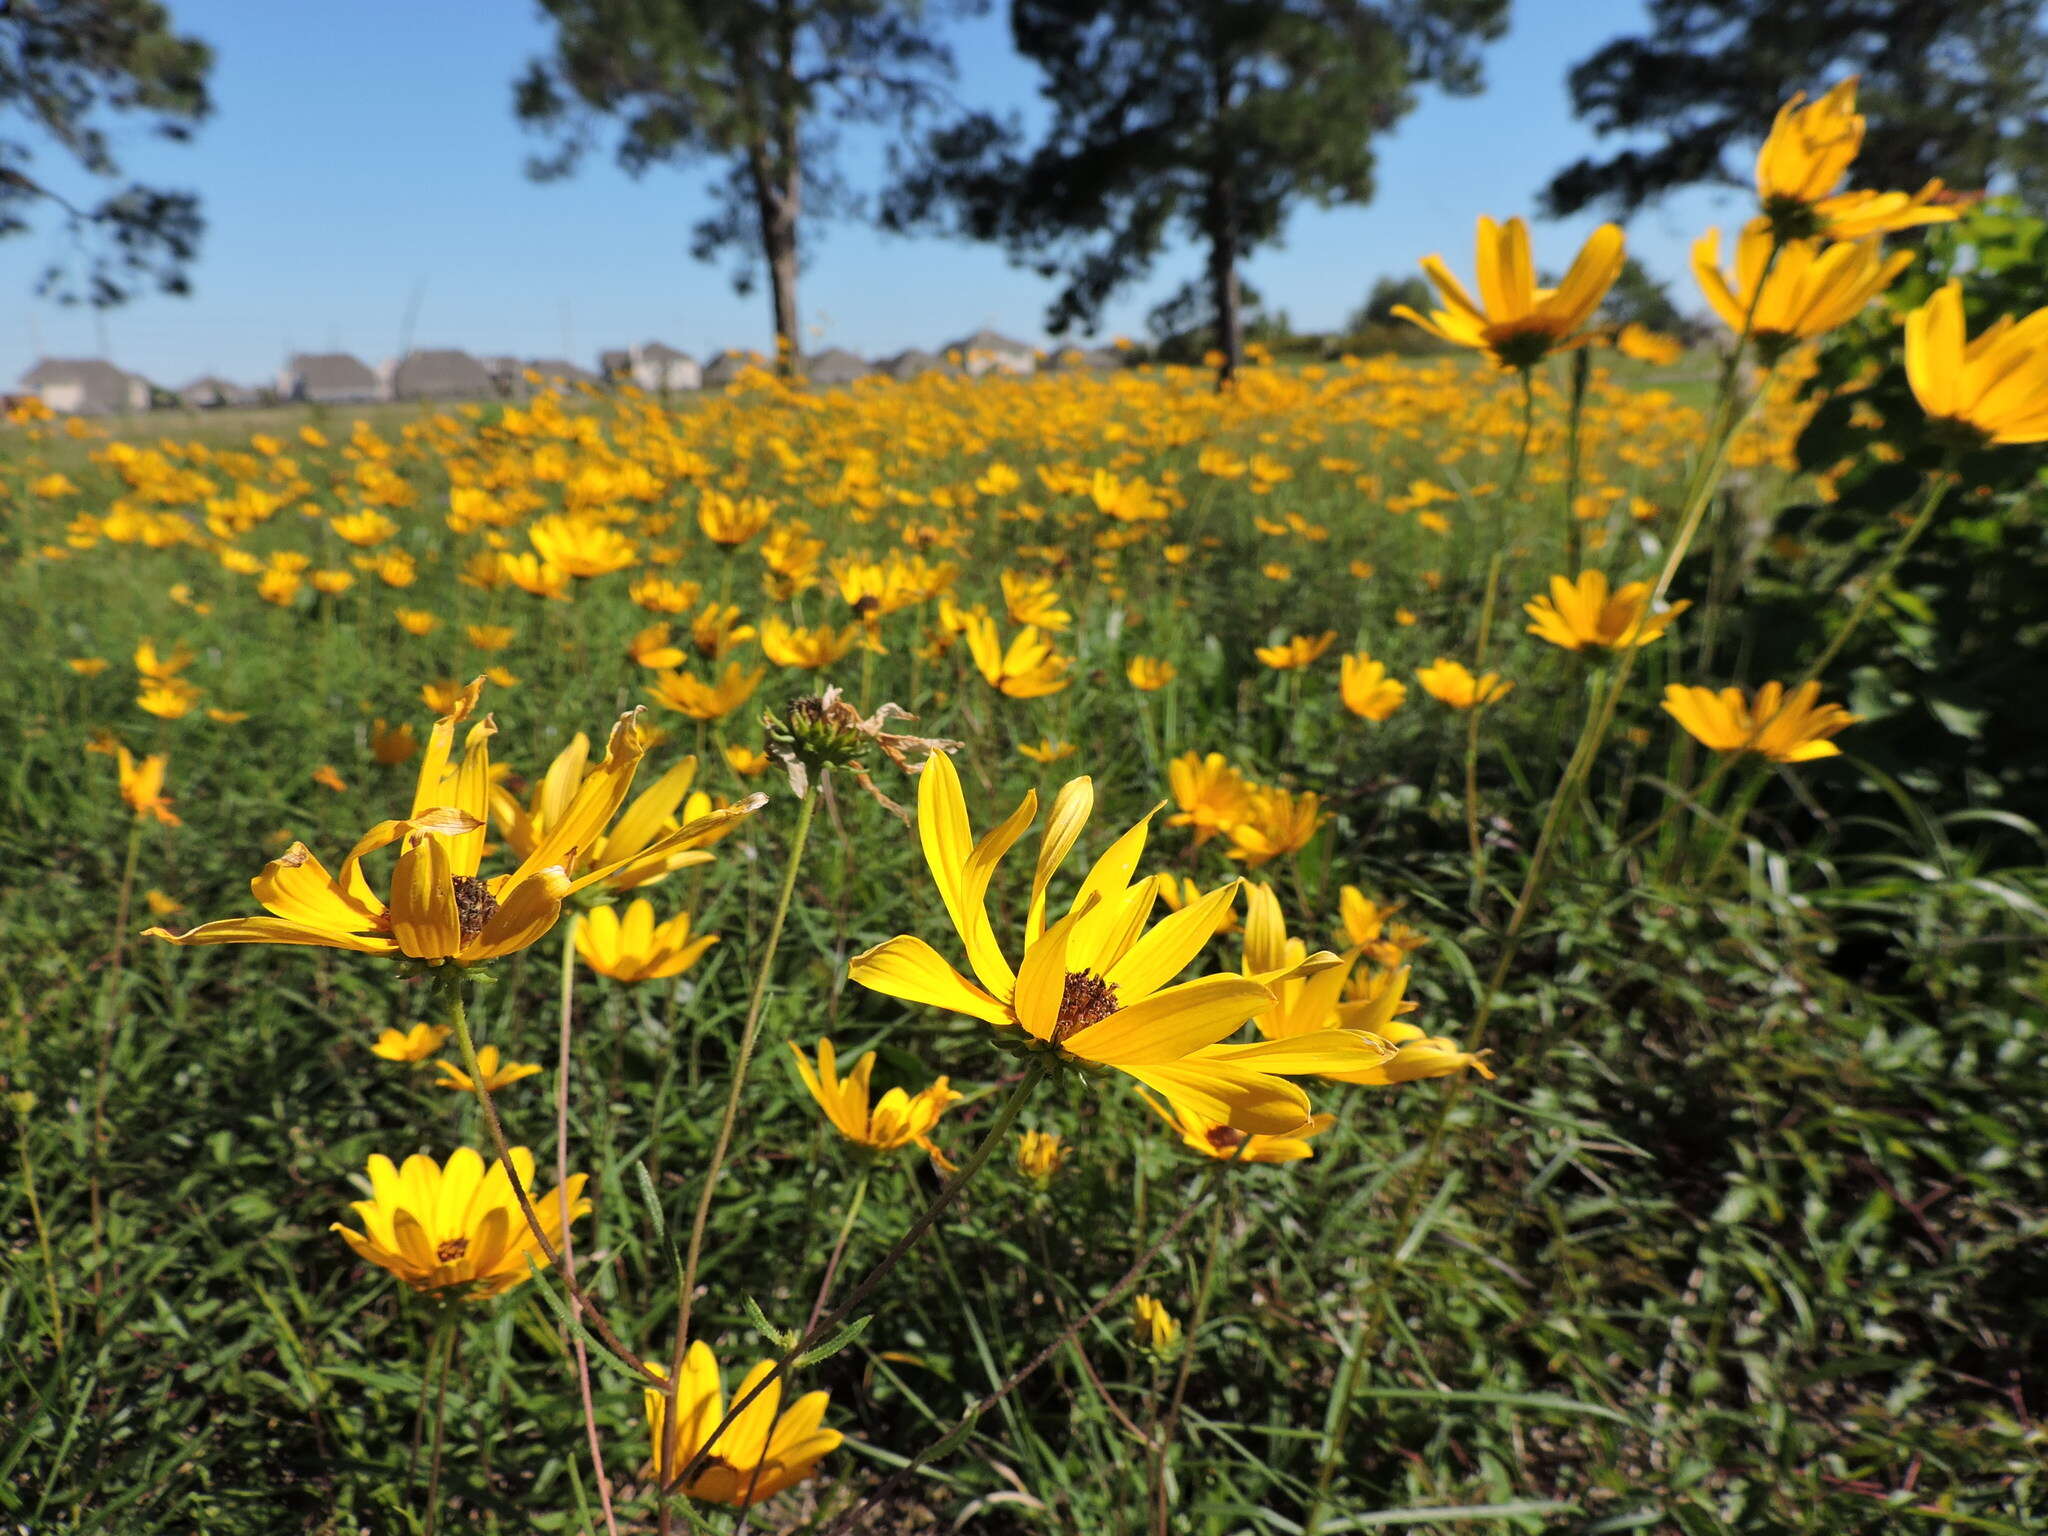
1746, 1236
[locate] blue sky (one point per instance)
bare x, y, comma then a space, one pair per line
361, 153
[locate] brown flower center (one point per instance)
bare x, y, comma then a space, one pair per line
1225, 1138
1085, 999
474, 905
452, 1250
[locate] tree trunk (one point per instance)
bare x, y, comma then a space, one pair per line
775, 200
1223, 232
1224, 288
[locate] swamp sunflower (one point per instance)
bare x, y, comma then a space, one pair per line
1096, 988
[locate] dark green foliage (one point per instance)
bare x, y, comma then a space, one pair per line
757, 88
1637, 298
1957, 651
75, 74
1952, 89
1208, 120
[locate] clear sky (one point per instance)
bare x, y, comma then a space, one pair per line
363, 153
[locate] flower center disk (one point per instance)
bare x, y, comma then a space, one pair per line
1085, 999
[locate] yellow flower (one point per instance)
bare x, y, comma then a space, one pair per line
161, 667
1991, 390
1274, 823
1369, 929
745, 761
1228, 1145
161, 903
489, 637
443, 696
637, 948
1299, 651
496, 1076
1516, 322
896, 1120
1175, 894
732, 522
169, 698
391, 745
1806, 290
717, 630
142, 786
1794, 729
582, 546
415, 621
646, 844
363, 528
1040, 1156
327, 778
1033, 600
762, 1453
1028, 668
1366, 689
333, 583
1803, 161
1149, 674
1648, 346
1212, 796
226, 716
1095, 987
440, 908
534, 576
651, 648
458, 1230
87, 666
1582, 614
1449, 682
658, 594
791, 645
1158, 1329
1046, 751
1408, 1055
412, 1045
690, 695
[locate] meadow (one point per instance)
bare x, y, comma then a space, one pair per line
1675, 1159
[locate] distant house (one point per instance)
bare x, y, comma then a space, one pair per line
615, 365
914, 362
835, 365
328, 378
726, 368
86, 386
507, 375
1098, 359
659, 368
559, 373
210, 394
437, 373
992, 352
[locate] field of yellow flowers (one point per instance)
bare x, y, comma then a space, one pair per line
1067, 954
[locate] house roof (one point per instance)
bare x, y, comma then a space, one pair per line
330, 370
988, 341
560, 368
439, 371
835, 365
93, 372
912, 361
662, 352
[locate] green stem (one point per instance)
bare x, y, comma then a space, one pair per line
1163, 1442
109, 1027
35, 1213
443, 1348
1006, 1117
1930, 503
449, 980
1582, 366
860, 1195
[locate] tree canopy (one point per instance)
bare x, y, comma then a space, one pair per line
71, 72
757, 88
1957, 90
1209, 119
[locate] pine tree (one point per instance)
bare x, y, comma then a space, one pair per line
1209, 119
